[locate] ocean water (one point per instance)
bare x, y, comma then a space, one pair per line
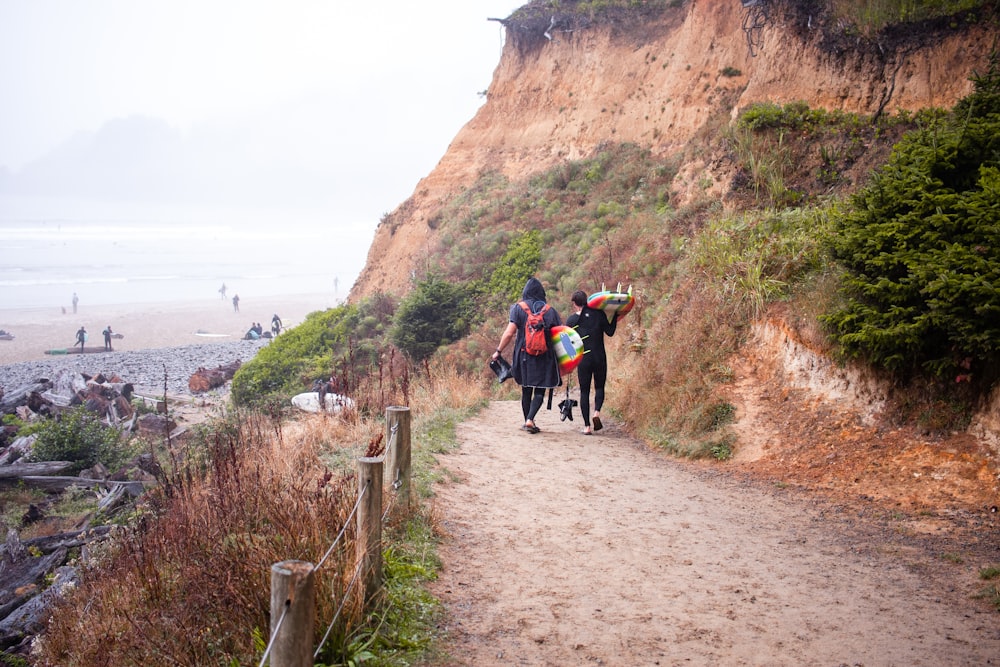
114, 253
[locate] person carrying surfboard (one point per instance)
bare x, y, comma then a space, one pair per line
534, 372
592, 325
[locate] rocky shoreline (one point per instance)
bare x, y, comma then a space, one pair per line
144, 369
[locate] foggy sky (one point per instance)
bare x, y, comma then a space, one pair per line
319, 103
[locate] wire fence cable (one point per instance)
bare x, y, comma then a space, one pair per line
343, 601
396, 484
343, 530
274, 635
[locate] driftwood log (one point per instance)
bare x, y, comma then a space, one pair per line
205, 379
22, 578
19, 396
55, 484
68, 540
22, 624
25, 597
150, 424
19, 470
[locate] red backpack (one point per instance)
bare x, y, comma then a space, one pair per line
535, 339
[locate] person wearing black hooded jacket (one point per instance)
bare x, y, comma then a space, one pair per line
534, 373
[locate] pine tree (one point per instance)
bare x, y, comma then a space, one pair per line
921, 247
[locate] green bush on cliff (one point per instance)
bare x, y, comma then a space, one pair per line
922, 248
435, 313
873, 16
353, 334
520, 262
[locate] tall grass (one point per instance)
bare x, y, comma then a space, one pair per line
752, 257
870, 16
188, 583
766, 159
726, 274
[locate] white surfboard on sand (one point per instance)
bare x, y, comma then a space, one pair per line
309, 402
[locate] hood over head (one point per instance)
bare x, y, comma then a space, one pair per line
533, 293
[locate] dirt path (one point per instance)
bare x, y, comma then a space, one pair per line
562, 549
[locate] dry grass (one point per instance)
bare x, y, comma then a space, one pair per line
445, 386
671, 383
189, 584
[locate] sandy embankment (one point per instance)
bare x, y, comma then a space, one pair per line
147, 326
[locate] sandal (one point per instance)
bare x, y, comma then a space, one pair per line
587, 431
531, 428
597, 424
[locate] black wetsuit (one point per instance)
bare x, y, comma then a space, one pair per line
592, 325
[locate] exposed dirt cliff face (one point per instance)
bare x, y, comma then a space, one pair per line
661, 83
672, 82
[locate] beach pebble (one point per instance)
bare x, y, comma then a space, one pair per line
145, 369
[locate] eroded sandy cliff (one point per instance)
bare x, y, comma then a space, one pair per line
661, 82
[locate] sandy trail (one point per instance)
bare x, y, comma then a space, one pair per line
562, 549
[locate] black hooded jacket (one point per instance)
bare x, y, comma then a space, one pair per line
530, 370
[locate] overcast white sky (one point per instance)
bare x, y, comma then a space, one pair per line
331, 87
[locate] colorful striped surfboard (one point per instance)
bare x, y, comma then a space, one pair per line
568, 346
612, 302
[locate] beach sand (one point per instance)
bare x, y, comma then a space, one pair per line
147, 326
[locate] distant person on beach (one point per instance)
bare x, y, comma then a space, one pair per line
222, 291
76, 300
275, 324
236, 303
81, 337
107, 338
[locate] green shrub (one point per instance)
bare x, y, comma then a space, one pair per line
794, 115
512, 270
351, 336
436, 312
754, 258
921, 248
79, 436
869, 17
991, 592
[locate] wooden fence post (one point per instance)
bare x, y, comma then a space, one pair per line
292, 586
369, 543
398, 464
